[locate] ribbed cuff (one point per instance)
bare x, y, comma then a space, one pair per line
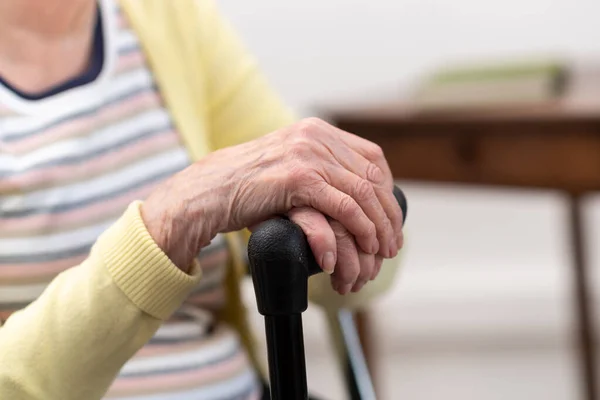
141, 269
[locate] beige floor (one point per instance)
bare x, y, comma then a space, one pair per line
482, 308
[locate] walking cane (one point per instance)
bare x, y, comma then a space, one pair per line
281, 263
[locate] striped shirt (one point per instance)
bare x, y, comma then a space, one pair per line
70, 163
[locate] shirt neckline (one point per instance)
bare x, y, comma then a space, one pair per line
75, 97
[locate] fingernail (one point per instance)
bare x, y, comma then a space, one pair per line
328, 262
358, 286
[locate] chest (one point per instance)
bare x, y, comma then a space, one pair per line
72, 172
71, 164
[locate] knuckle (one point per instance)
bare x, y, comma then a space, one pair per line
364, 190
308, 127
375, 152
374, 173
348, 207
314, 121
311, 128
300, 147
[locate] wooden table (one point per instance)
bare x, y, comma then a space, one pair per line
550, 146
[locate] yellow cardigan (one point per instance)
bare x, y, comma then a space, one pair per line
73, 340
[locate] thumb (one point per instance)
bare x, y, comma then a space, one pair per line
319, 234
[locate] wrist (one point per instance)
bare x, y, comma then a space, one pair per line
177, 234
181, 217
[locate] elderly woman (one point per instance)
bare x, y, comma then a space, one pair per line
136, 138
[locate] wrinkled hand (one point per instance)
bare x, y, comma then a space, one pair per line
335, 185
356, 267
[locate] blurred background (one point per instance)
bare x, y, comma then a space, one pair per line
484, 306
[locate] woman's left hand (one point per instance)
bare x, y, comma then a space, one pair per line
324, 232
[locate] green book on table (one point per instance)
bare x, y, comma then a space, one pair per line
492, 85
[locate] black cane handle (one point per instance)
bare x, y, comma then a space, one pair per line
281, 262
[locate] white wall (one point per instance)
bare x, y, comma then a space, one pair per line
319, 50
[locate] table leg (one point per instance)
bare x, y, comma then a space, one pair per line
583, 304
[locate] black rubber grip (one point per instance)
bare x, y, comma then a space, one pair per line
281, 262
401, 199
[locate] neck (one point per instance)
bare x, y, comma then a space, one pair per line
44, 42
52, 19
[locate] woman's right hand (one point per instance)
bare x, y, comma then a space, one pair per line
310, 165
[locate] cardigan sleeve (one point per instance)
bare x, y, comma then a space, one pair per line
71, 342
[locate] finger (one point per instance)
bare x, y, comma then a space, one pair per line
343, 208
348, 266
369, 171
363, 192
329, 137
366, 148
374, 154
377, 266
367, 265
319, 234
353, 160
